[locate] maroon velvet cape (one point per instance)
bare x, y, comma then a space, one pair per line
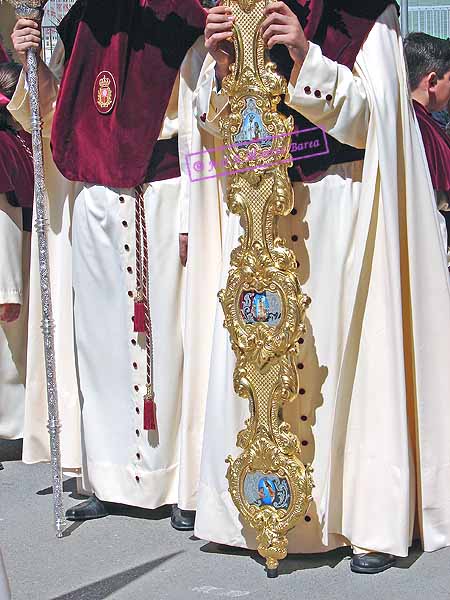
16, 165
340, 27
437, 148
16, 168
142, 44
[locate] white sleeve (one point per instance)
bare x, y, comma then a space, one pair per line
331, 96
189, 75
209, 104
19, 107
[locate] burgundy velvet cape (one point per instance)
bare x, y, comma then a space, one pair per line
16, 168
437, 148
340, 28
142, 43
16, 164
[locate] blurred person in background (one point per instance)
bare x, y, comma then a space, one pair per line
16, 200
428, 60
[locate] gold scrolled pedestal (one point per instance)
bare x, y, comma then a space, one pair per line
263, 302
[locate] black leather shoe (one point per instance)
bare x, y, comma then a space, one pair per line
90, 509
372, 562
182, 520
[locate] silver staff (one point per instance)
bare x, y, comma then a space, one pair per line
33, 9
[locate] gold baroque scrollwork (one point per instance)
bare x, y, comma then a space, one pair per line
261, 266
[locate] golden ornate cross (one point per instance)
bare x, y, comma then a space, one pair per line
263, 303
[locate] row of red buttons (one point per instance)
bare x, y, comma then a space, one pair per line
133, 341
302, 391
304, 418
318, 94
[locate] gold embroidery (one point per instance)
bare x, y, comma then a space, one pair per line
104, 94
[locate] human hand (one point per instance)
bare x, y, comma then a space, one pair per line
183, 242
281, 26
218, 33
26, 34
9, 312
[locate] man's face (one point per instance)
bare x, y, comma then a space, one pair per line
440, 92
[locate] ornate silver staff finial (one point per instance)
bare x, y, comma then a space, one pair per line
33, 9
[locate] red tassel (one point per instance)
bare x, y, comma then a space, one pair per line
149, 415
139, 316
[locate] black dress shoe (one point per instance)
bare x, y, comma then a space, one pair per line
182, 520
372, 562
93, 508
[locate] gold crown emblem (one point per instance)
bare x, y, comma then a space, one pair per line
104, 82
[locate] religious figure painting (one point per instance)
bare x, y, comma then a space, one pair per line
253, 128
267, 490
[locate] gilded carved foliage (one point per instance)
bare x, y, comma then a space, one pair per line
263, 303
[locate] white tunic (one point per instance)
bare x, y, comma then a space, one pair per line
371, 410
61, 193
202, 281
121, 461
14, 265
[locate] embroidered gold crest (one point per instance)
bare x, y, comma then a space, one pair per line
105, 92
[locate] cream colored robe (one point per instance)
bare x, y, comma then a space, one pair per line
14, 265
61, 195
374, 411
203, 270
122, 462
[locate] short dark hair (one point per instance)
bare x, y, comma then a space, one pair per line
425, 54
9, 76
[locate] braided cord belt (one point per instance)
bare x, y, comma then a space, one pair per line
142, 313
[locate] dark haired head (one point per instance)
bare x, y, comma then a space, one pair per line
426, 54
9, 76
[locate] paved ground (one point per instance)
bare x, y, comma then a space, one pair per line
137, 557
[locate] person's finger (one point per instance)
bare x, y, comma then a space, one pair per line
218, 28
210, 32
219, 10
283, 39
216, 38
27, 46
277, 7
29, 37
28, 31
220, 18
275, 30
23, 23
275, 18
